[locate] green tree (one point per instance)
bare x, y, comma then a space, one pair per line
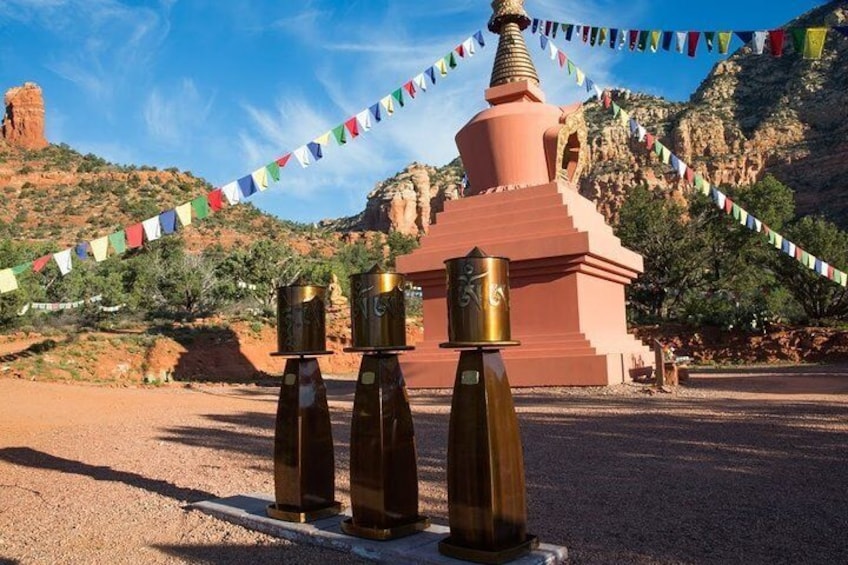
258, 270
820, 298
673, 253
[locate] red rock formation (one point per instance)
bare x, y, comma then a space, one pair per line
23, 124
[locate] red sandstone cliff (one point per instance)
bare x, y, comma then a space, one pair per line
23, 123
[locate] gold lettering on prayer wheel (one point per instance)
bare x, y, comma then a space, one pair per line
478, 300
300, 319
378, 310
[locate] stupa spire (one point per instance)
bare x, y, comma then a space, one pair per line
512, 62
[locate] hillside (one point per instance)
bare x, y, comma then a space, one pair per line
753, 115
58, 196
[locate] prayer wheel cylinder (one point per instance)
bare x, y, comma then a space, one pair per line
378, 310
478, 300
300, 319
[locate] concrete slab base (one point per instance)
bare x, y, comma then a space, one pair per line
248, 510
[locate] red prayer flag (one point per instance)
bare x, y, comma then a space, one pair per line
41, 262
283, 160
830, 272
798, 252
649, 140
766, 229
690, 175
410, 88
586, 31
134, 235
634, 37
776, 37
694, 36
460, 50
562, 58
728, 205
352, 127
215, 199
547, 28
607, 99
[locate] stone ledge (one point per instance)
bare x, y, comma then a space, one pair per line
248, 510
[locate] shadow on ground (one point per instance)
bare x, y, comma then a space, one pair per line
26, 457
662, 479
221, 553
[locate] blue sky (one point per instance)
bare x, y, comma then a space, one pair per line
223, 87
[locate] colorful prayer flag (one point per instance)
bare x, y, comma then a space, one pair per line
168, 221
100, 248
63, 260
814, 42
8, 281
200, 207
231, 192
152, 228
118, 241
135, 235
184, 212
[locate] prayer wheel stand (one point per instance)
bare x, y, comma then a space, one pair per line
383, 469
486, 489
304, 466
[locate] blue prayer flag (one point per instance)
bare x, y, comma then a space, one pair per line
613, 37
666, 40
168, 221
82, 250
479, 37
375, 109
745, 36
315, 149
247, 186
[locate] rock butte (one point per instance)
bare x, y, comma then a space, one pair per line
23, 123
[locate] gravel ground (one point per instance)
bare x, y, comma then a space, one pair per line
747, 466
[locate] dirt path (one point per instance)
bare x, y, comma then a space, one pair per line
737, 467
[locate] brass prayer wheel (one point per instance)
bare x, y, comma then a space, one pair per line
478, 301
378, 311
300, 320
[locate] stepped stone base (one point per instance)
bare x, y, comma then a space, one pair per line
567, 277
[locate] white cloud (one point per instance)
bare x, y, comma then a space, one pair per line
172, 115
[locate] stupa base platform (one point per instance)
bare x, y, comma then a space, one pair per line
248, 510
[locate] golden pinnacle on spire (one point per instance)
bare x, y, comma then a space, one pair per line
512, 61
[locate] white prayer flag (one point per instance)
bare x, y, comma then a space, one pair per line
231, 193
63, 259
681, 40
363, 118
302, 156
152, 228
759, 42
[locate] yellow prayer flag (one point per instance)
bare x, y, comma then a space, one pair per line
388, 104
814, 42
323, 139
724, 38
655, 40
705, 188
8, 282
442, 66
260, 178
743, 216
580, 77
100, 248
184, 213
778, 240
602, 36
624, 117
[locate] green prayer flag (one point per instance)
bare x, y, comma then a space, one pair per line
724, 41
804, 257
571, 67
118, 241
450, 59
799, 38
658, 147
643, 39
814, 43
200, 205
23, 267
274, 170
398, 96
736, 211
339, 134
709, 36
593, 36
615, 110
699, 181
771, 238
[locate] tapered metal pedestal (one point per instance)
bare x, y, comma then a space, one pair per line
304, 471
383, 470
486, 489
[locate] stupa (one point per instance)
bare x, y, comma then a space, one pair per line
524, 158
